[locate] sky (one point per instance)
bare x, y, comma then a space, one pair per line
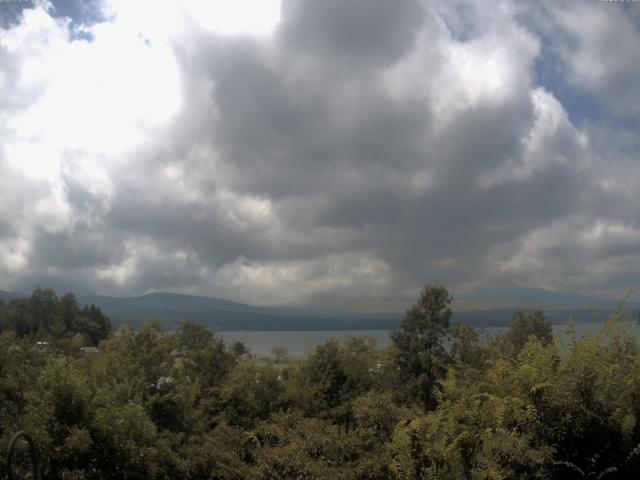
334, 153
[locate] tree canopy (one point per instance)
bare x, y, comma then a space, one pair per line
442, 402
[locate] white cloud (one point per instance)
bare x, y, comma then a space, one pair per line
551, 140
159, 20
577, 253
293, 282
598, 42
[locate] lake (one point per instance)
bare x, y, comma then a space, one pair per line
300, 342
297, 342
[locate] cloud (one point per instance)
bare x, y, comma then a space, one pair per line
353, 33
596, 44
338, 153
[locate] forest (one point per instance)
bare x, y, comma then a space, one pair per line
444, 401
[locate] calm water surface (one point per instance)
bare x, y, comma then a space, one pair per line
300, 342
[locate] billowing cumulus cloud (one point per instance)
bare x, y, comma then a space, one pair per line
338, 153
597, 46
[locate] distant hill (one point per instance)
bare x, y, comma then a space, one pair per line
6, 297
501, 317
540, 297
173, 308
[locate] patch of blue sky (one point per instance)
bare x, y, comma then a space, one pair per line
81, 13
10, 11
581, 106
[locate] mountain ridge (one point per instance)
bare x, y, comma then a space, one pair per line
174, 308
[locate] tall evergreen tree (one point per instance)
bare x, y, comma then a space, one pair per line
419, 343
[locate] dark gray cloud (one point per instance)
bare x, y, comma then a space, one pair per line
362, 150
353, 32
